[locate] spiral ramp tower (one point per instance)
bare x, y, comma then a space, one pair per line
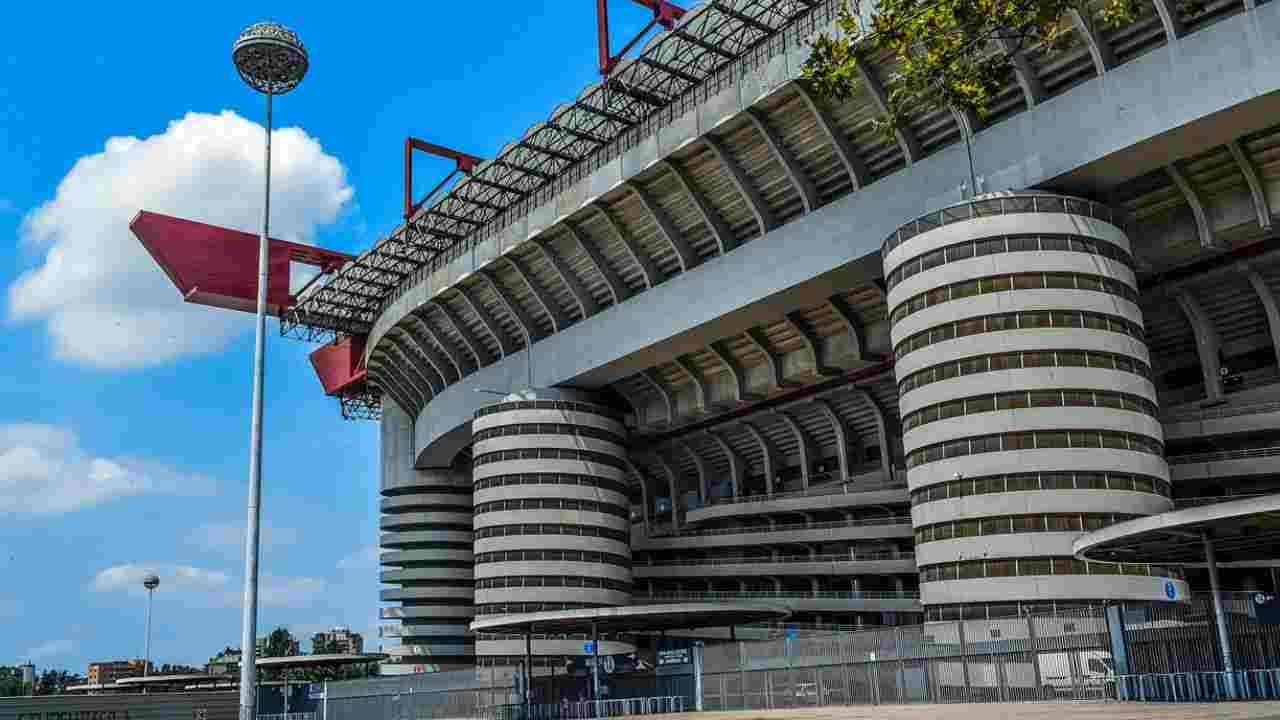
552, 516
1028, 411
426, 550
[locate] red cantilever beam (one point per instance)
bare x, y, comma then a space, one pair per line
217, 266
464, 163
338, 365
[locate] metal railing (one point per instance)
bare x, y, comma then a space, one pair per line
1001, 205
860, 557
782, 595
1242, 454
848, 487
1200, 501
1211, 686
1214, 413
288, 716
587, 709
790, 527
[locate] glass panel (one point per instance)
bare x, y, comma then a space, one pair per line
966, 528
1028, 281
1054, 242
1019, 441
1035, 320
1012, 401
965, 328
1051, 439
974, 365
946, 372
986, 403
1046, 398
1000, 568
959, 252
1006, 361
1028, 523
1071, 358
996, 323
1067, 319
1023, 482
1057, 481
1060, 281
1024, 242
1034, 566
1076, 398
996, 526
964, 289
1088, 282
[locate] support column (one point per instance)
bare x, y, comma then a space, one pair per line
1208, 344
1220, 615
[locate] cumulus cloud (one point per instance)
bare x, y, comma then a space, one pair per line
52, 649
229, 536
103, 300
43, 471
365, 558
203, 587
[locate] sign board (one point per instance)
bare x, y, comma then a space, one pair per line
588, 647
675, 656
315, 691
1266, 607
609, 664
1170, 590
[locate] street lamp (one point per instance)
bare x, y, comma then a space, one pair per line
270, 59
150, 582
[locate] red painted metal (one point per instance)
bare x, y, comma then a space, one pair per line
216, 266
463, 163
338, 365
666, 14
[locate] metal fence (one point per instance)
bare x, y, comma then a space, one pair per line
1168, 652
472, 693
1164, 652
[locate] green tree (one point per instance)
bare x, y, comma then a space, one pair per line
280, 643
951, 53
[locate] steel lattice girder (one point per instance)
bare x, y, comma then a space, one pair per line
670, 64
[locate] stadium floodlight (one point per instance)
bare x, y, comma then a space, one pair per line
150, 582
270, 59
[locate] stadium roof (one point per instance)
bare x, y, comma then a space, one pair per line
672, 73
1241, 530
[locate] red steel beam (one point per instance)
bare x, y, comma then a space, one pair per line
666, 14
463, 163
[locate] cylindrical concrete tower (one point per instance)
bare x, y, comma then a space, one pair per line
1028, 412
552, 527
426, 544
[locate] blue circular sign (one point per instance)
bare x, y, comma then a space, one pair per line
1170, 590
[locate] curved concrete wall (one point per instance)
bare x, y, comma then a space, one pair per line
551, 513
427, 550
946, 281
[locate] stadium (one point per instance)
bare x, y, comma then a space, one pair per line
704, 336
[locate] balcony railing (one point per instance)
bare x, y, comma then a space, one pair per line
1219, 412
673, 597
1201, 501
1000, 205
1242, 454
846, 488
790, 527
753, 560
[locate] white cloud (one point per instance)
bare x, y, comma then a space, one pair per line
44, 471
229, 536
365, 558
104, 301
51, 649
203, 587
181, 579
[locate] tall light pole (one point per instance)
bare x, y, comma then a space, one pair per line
271, 60
150, 582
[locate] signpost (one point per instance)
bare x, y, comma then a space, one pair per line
1266, 607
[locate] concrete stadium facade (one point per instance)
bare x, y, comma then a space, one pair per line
722, 293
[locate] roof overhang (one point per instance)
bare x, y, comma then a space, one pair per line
632, 618
1241, 530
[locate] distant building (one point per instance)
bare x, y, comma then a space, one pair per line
337, 640
263, 640
109, 671
224, 663
28, 674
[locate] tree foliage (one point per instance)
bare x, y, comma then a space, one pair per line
280, 643
953, 54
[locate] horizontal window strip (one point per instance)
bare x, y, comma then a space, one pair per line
1038, 566
1037, 481
591, 481
549, 454
1026, 399
589, 556
1013, 524
1032, 203
1003, 244
1011, 282
567, 581
552, 529
567, 405
1025, 320
1034, 440
553, 504
546, 429
1023, 359
509, 608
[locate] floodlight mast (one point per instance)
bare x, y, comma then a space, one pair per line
272, 60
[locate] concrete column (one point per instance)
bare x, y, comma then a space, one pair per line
1220, 614
1207, 344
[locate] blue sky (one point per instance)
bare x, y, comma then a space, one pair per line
124, 413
